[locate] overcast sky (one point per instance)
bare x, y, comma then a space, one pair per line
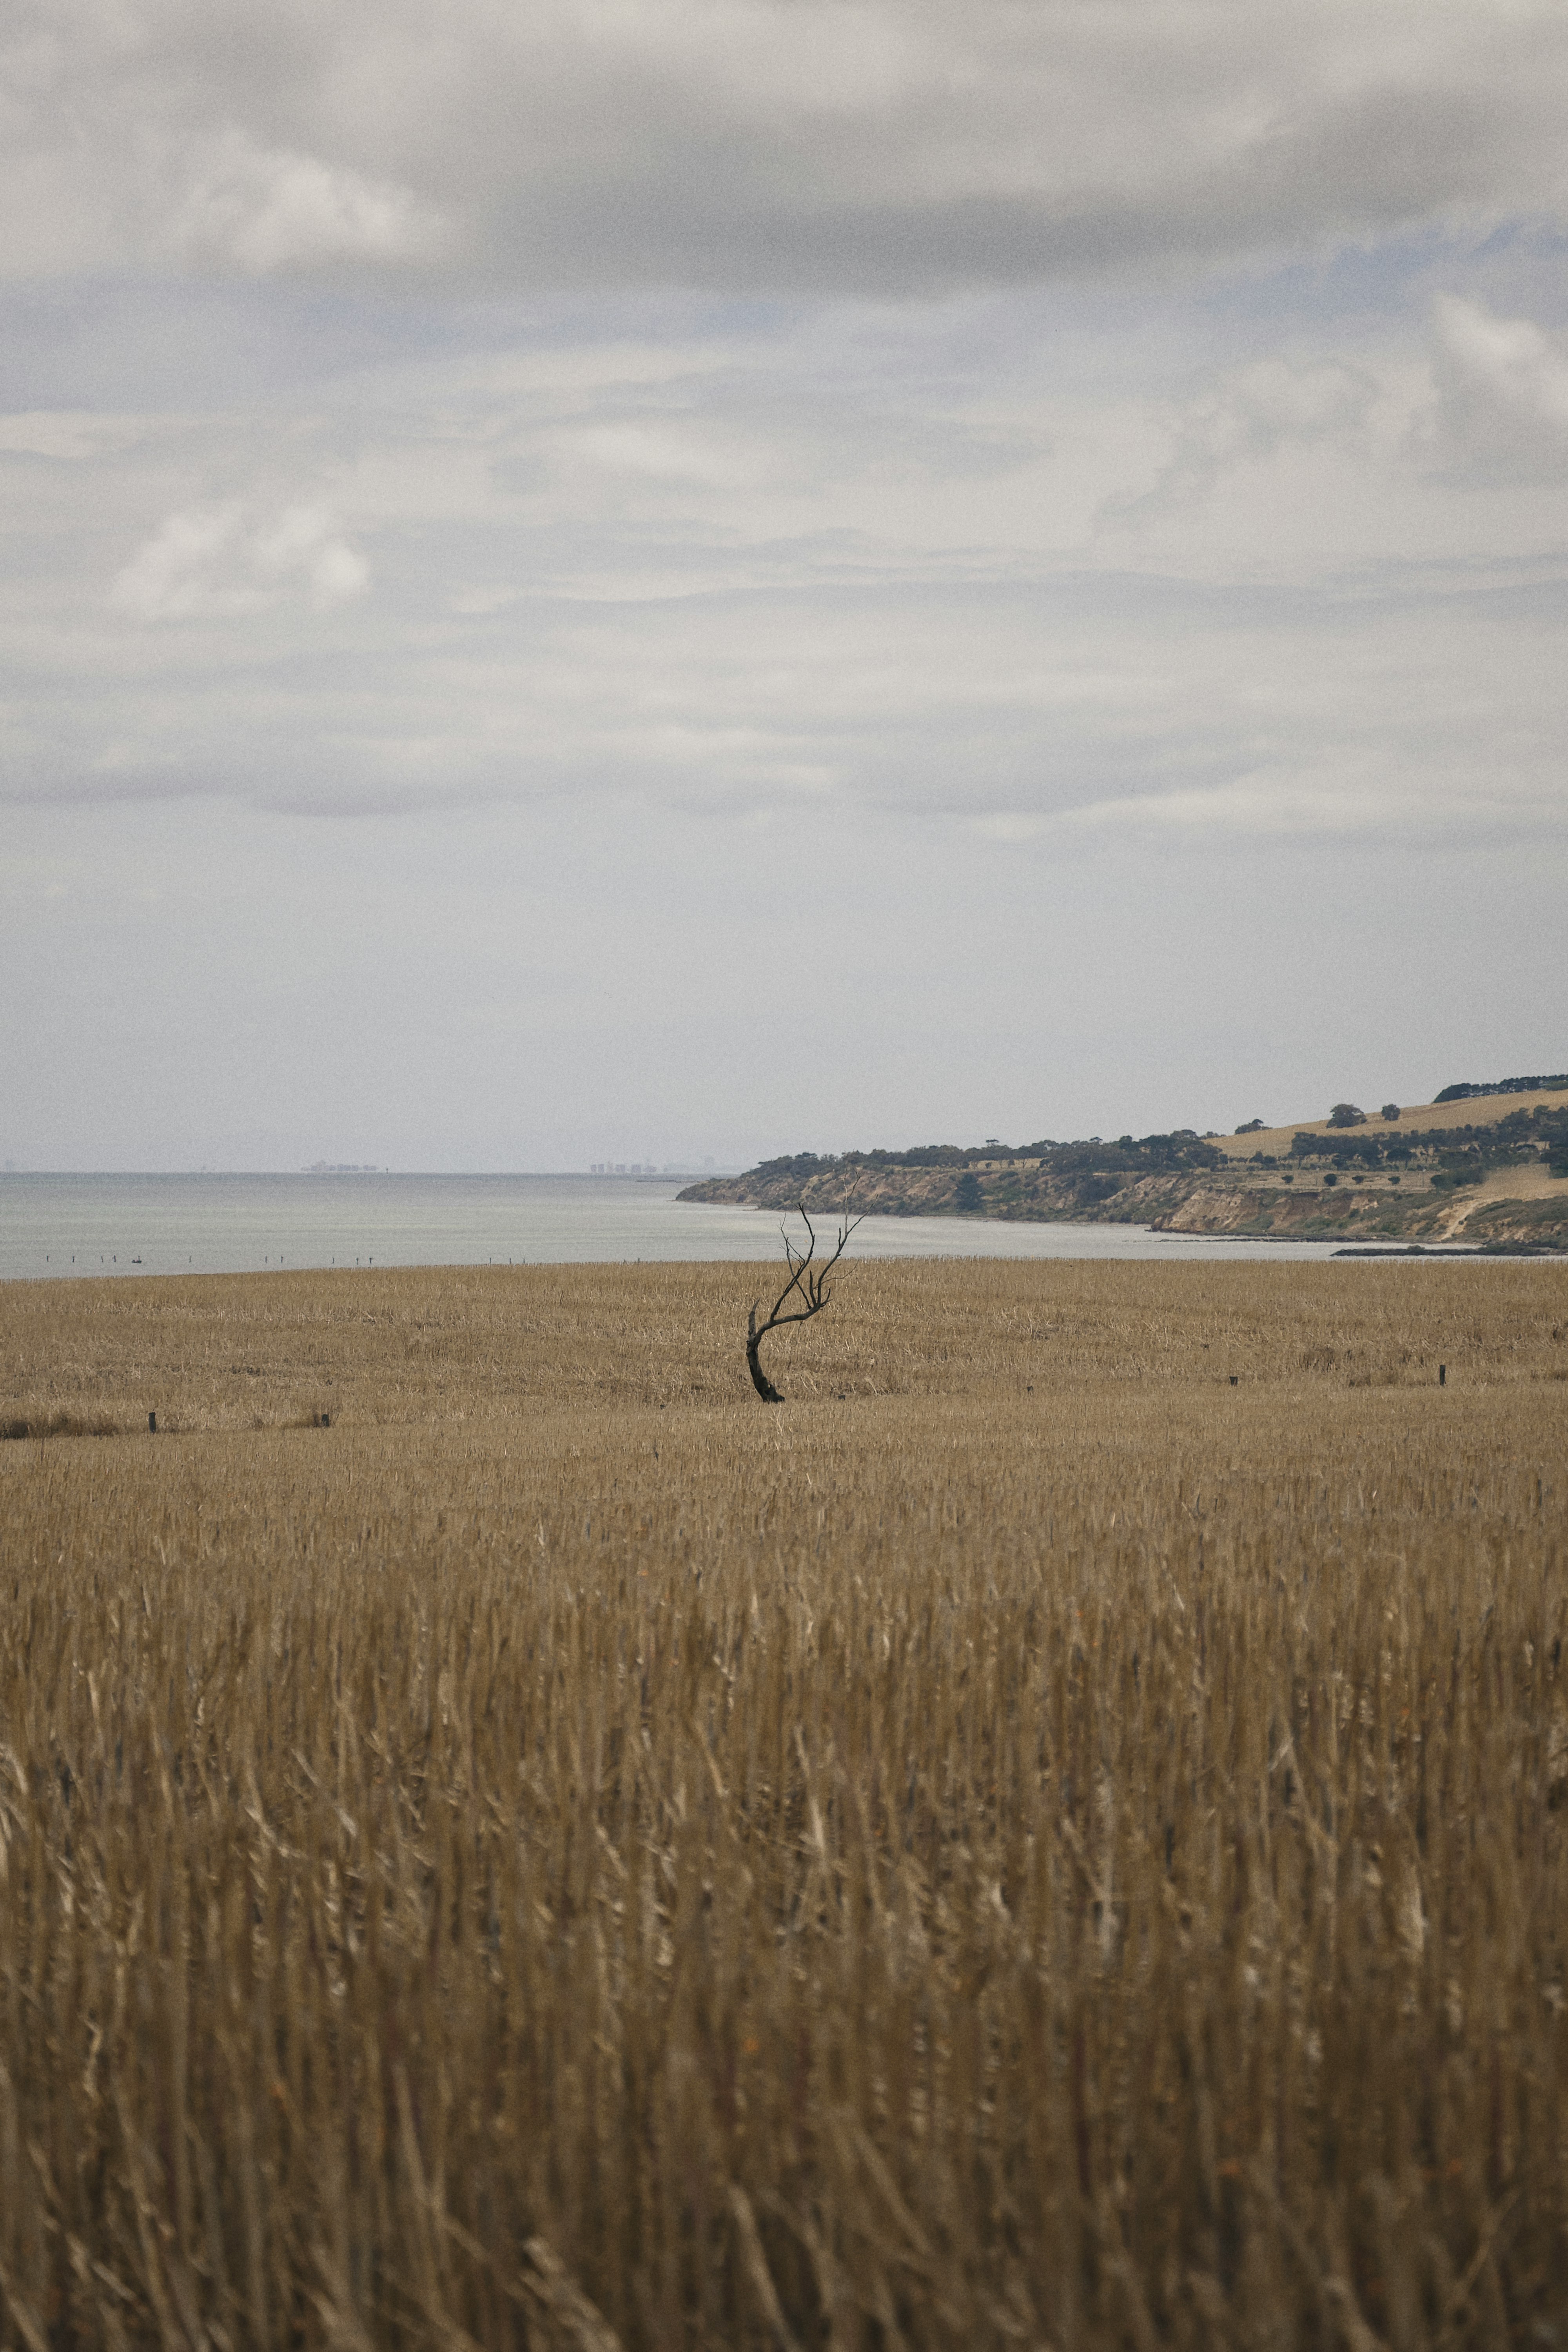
673, 578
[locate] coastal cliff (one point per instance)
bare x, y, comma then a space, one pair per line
1494, 1170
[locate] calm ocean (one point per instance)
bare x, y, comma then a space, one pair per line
64, 1225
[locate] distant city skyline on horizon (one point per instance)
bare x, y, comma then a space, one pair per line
703, 1165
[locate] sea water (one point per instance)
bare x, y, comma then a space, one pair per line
64, 1225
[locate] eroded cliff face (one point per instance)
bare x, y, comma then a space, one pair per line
1369, 1214
1520, 1221
889, 1192
1025, 1193
1186, 1204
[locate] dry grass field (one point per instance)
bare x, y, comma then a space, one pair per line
1052, 1837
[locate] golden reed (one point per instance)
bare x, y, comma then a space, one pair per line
1052, 1837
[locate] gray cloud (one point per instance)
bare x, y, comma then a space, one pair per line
750, 142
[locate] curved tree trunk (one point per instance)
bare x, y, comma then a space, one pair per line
760, 1380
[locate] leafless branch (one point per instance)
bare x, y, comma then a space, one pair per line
807, 1286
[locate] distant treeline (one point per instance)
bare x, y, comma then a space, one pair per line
1503, 1087
1146, 1155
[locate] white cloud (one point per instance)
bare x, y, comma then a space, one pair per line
1502, 393
272, 209
691, 455
61, 434
217, 561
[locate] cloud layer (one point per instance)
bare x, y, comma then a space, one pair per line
853, 144
837, 559
1039, 526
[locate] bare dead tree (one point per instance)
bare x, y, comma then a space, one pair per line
807, 1284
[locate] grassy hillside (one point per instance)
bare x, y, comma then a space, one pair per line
1026, 1844
1431, 1118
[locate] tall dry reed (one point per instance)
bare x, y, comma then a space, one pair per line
1052, 1849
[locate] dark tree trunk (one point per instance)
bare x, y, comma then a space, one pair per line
760, 1380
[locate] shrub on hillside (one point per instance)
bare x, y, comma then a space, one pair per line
1529, 1086
1340, 1149
801, 1165
1346, 1115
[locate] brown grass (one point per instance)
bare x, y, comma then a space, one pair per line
60, 1424
1028, 1843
